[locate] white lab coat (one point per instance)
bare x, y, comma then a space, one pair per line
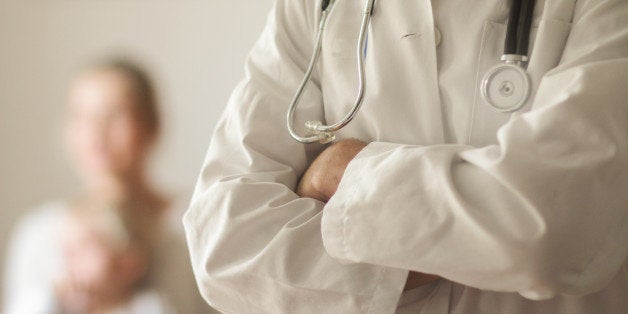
34, 262
522, 213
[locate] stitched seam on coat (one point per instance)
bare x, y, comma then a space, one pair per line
345, 216
477, 79
345, 246
380, 273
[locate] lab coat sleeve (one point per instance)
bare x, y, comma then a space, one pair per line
543, 212
256, 247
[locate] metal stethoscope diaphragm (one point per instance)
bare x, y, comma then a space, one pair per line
506, 87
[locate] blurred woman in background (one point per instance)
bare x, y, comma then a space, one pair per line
112, 125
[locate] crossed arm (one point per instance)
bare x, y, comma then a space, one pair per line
320, 181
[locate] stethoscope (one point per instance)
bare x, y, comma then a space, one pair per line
505, 87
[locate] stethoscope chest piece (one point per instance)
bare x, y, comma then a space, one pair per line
506, 87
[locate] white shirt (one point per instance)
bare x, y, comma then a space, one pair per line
34, 261
521, 213
144, 302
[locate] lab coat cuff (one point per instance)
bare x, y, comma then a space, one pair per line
335, 228
337, 213
388, 288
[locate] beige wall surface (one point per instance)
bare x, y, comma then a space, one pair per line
195, 49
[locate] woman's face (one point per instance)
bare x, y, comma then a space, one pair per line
104, 133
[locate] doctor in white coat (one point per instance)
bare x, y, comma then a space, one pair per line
511, 213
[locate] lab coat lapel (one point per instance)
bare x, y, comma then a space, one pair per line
401, 48
404, 50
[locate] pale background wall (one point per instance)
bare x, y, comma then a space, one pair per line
195, 49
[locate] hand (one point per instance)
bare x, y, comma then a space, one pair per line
320, 181
77, 296
72, 295
76, 293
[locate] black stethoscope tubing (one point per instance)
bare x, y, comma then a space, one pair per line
518, 28
506, 87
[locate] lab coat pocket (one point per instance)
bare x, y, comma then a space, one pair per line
486, 120
547, 41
